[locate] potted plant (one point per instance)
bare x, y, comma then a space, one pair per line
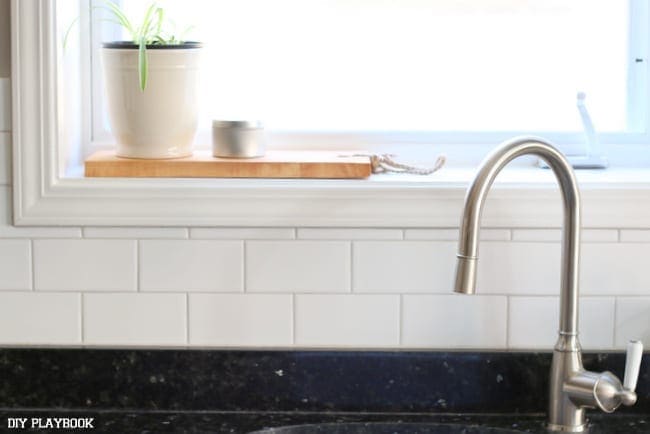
151, 87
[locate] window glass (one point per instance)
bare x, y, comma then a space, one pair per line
410, 65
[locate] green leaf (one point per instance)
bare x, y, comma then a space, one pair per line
67, 32
147, 21
143, 67
121, 18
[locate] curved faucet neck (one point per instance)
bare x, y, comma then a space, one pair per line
470, 223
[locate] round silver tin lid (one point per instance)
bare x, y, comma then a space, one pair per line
237, 124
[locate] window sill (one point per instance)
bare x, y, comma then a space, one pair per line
521, 197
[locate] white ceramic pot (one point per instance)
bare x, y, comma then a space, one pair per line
161, 121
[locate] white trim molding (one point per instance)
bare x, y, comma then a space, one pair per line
44, 196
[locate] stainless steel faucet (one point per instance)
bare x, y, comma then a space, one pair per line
572, 388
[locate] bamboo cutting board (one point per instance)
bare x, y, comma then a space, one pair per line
275, 164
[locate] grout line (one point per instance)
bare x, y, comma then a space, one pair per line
293, 319
137, 266
82, 318
507, 322
615, 318
295, 233
243, 267
351, 273
619, 235
187, 318
32, 272
401, 321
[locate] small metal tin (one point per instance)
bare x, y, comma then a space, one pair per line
238, 139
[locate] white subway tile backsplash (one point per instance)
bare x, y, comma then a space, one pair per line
599, 235
135, 233
518, 268
534, 322
191, 265
85, 265
536, 235
347, 320
297, 266
549, 235
15, 265
7, 230
134, 319
242, 233
615, 268
635, 235
403, 266
241, 319
452, 234
454, 321
349, 234
632, 320
5, 158
30, 318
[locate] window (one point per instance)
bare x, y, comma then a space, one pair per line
413, 70
56, 113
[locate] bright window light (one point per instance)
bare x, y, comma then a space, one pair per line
424, 65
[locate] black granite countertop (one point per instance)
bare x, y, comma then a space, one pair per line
140, 391
246, 422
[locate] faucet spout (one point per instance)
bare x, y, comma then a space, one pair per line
466, 268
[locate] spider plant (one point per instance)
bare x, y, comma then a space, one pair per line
152, 31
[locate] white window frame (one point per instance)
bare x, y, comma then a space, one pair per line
43, 196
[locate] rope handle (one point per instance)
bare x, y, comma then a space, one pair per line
385, 163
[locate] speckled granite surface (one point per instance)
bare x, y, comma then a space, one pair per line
242, 391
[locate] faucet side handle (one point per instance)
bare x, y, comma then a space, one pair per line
632, 364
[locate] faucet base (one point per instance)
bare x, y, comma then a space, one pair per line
564, 428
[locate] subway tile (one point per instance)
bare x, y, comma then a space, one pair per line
615, 269
454, 321
452, 234
599, 235
30, 318
347, 320
632, 320
134, 319
242, 233
518, 268
349, 234
534, 322
536, 235
132, 233
403, 266
297, 266
5, 104
241, 319
191, 265
85, 265
15, 265
635, 235
549, 235
5, 158
7, 230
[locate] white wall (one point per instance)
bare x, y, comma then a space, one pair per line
386, 288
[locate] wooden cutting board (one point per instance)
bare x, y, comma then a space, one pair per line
275, 164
